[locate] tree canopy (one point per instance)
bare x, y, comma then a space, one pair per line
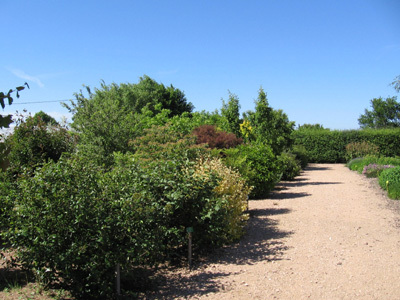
385, 113
108, 118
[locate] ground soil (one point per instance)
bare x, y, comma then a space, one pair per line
330, 234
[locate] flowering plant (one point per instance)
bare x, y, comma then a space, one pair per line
374, 170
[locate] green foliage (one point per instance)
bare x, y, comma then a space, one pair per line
115, 114
301, 155
389, 180
311, 127
356, 163
360, 149
290, 166
384, 114
330, 146
5, 121
47, 119
396, 83
6, 200
270, 126
165, 143
34, 143
72, 222
257, 164
234, 192
230, 111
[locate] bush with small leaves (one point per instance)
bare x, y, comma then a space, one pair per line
360, 149
258, 164
234, 193
389, 180
290, 166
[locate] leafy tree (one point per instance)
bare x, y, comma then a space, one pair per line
230, 111
33, 143
311, 127
396, 84
112, 115
47, 119
385, 113
270, 126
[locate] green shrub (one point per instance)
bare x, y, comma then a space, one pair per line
360, 149
257, 164
33, 143
354, 163
233, 190
7, 194
301, 155
394, 191
290, 166
389, 180
163, 143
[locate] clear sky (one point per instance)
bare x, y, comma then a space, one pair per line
319, 61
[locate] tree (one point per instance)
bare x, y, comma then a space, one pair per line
396, 84
5, 121
311, 127
270, 126
385, 113
33, 143
230, 111
108, 118
47, 119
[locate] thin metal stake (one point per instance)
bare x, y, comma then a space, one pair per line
190, 250
118, 272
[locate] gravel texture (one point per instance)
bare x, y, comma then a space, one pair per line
330, 234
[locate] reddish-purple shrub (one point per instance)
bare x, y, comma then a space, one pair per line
208, 134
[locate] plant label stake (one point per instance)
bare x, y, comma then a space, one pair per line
190, 233
118, 275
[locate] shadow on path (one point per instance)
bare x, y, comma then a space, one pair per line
261, 242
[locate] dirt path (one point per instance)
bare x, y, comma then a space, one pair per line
331, 234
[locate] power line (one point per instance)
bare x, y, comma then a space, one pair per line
36, 102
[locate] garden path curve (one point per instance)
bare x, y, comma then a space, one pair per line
330, 234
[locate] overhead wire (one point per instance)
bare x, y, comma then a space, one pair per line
36, 102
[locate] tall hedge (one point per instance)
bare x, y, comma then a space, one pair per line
326, 146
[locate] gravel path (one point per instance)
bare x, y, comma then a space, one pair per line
330, 234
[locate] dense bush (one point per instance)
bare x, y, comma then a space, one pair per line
290, 166
234, 192
389, 180
326, 146
166, 143
72, 221
257, 164
360, 149
208, 134
7, 194
33, 143
301, 155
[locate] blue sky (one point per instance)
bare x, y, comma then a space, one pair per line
319, 61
